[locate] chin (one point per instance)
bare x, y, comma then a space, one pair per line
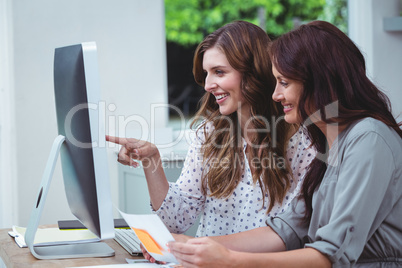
224, 112
291, 119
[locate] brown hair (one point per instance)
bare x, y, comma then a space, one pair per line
331, 68
245, 46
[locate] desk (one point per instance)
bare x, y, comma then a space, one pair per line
16, 257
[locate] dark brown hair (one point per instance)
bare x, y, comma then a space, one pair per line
245, 46
331, 68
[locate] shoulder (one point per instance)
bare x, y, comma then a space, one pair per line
202, 131
370, 128
367, 124
371, 135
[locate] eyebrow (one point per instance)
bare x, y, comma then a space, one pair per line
217, 67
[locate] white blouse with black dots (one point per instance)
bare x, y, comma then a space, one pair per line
241, 211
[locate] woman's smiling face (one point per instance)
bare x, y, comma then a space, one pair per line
287, 92
224, 82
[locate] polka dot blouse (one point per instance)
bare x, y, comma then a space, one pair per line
241, 211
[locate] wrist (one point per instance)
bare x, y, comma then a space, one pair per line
235, 259
152, 160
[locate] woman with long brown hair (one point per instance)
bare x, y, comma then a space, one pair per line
351, 207
243, 165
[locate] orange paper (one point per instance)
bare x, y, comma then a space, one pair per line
149, 243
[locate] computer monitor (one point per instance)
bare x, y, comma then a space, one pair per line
83, 158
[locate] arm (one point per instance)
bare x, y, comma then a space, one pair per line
133, 149
185, 199
262, 239
357, 198
158, 185
177, 204
306, 257
287, 231
207, 252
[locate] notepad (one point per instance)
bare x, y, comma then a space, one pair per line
53, 236
153, 235
146, 239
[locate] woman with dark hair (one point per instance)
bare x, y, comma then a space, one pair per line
351, 208
241, 168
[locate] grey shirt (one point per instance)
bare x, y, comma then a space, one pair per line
357, 209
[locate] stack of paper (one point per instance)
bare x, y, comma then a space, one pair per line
53, 236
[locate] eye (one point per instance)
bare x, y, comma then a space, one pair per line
219, 72
283, 83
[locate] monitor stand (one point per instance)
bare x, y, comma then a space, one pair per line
97, 249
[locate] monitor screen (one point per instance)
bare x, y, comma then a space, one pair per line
83, 158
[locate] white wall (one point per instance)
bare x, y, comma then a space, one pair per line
382, 49
132, 62
8, 172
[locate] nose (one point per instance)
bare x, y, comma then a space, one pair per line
278, 94
210, 84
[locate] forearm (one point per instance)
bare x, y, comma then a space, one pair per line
306, 257
207, 252
158, 185
262, 239
134, 150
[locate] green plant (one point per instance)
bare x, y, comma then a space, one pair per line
188, 21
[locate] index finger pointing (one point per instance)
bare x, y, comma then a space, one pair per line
117, 140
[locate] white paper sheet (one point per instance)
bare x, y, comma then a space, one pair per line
158, 232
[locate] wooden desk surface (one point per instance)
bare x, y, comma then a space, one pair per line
15, 257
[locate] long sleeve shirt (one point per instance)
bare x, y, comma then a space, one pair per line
357, 209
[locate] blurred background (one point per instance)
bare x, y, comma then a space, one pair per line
145, 50
187, 23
